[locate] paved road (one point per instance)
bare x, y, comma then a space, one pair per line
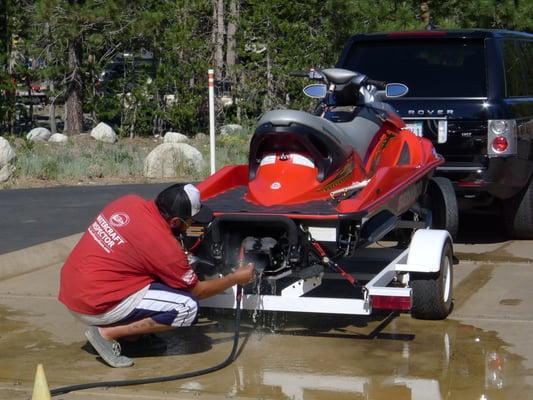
33, 216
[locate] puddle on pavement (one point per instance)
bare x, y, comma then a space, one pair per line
472, 284
324, 357
311, 357
510, 302
498, 255
23, 346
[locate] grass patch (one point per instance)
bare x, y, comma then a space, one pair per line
80, 160
83, 160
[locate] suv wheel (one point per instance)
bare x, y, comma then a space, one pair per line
518, 214
442, 202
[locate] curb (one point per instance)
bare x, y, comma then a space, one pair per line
36, 257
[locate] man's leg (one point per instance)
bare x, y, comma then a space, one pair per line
161, 309
136, 328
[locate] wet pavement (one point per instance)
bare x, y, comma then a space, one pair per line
482, 351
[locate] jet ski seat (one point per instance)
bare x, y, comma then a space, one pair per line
362, 124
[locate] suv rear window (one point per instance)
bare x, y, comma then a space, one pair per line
430, 68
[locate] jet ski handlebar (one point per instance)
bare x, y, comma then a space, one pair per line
339, 76
378, 84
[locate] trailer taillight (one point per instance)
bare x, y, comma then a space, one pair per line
501, 137
398, 303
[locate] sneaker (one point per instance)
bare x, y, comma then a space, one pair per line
109, 350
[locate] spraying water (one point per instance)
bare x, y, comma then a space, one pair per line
253, 250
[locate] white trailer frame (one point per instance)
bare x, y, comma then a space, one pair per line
422, 256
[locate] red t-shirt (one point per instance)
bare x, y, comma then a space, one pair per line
128, 246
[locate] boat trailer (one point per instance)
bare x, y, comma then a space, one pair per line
418, 279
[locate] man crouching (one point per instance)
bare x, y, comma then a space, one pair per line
129, 276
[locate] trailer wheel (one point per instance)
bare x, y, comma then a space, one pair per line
432, 292
442, 202
517, 214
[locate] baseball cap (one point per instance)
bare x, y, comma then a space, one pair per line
183, 200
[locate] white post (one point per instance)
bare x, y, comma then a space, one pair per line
211, 84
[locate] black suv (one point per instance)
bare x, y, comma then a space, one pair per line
471, 93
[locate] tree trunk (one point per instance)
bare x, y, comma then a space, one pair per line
4, 33
6, 96
237, 100
270, 82
424, 13
132, 126
231, 47
214, 29
232, 29
51, 86
219, 44
74, 111
52, 114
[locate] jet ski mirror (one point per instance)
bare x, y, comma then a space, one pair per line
316, 91
396, 90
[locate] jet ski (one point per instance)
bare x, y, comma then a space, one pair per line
319, 187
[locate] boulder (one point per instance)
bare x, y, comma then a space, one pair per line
201, 136
230, 129
5, 172
104, 133
175, 137
167, 159
39, 134
58, 138
6, 152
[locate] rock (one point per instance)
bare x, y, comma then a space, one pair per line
167, 159
226, 100
170, 100
201, 136
39, 134
58, 138
5, 172
230, 129
175, 137
6, 152
95, 171
104, 133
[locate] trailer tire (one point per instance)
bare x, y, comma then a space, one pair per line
517, 214
442, 202
432, 292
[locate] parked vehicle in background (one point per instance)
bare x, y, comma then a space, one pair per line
125, 71
471, 93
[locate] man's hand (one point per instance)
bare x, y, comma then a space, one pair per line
208, 288
244, 275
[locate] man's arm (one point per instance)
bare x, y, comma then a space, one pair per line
241, 276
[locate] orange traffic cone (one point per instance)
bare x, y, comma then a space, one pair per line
40, 387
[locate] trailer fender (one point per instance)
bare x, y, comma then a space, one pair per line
425, 250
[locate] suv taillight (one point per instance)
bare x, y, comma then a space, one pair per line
501, 137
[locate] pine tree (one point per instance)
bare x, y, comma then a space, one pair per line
253, 45
71, 29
